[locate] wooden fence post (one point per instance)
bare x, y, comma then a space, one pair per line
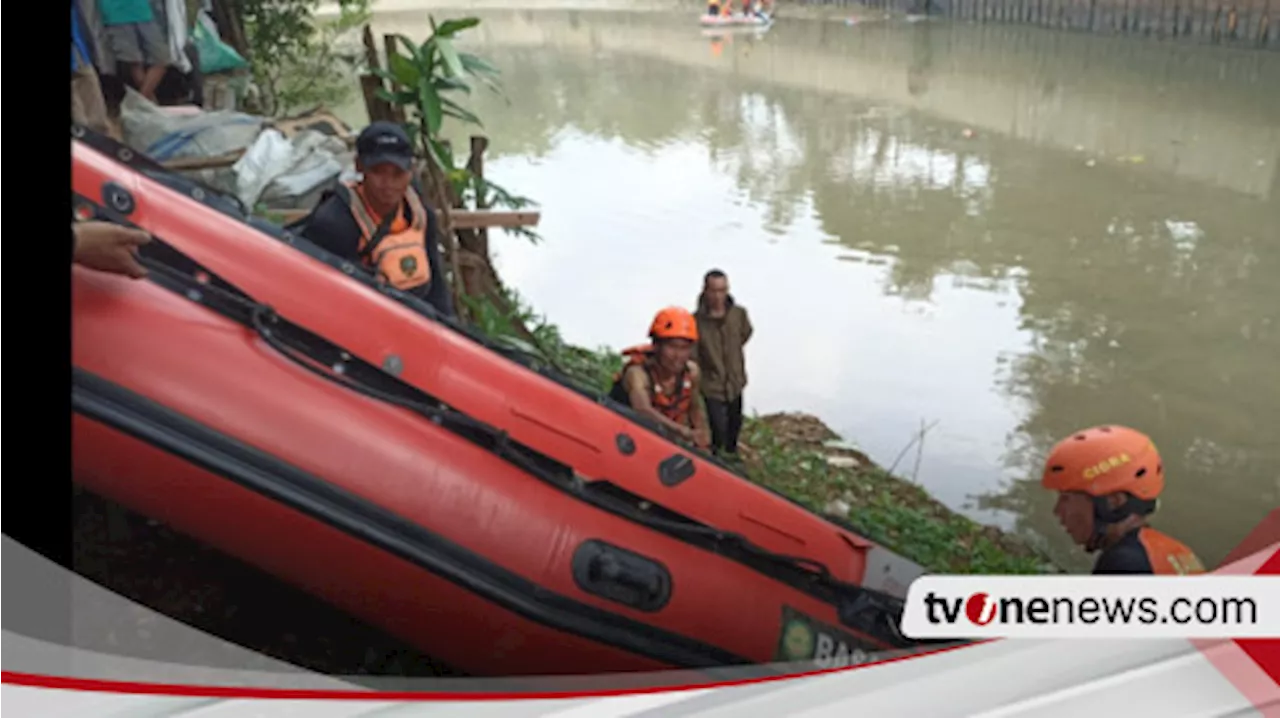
475, 164
377, 108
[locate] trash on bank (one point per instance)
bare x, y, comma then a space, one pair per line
282, 163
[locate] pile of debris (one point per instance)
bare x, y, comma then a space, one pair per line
273, 164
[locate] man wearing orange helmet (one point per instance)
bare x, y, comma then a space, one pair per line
1108, 479
662, 382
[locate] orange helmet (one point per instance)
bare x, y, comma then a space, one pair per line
674, 323
1105, 460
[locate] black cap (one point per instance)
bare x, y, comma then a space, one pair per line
382, 142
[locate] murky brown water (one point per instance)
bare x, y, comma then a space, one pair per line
1010, 232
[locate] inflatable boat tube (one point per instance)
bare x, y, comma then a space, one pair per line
201, 407
605, 444
611, 454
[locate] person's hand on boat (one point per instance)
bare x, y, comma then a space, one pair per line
685, 433
702, 439
108, 247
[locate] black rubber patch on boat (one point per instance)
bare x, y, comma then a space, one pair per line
675, 470
118, 198
611, 572
626, 444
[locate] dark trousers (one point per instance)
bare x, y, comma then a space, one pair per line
725, 418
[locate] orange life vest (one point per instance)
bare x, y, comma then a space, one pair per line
399, 256
1168, 555
676, 406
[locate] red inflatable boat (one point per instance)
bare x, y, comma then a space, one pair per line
278, 405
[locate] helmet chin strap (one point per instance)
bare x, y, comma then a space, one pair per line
1104, 517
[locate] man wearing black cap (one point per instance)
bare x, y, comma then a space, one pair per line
381, 221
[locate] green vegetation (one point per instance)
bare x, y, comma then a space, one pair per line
521, 328
426, 80
798, 456
296, 61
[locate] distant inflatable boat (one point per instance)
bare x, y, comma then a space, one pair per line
753, 20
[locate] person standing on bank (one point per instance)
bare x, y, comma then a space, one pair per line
723, 330
382, 221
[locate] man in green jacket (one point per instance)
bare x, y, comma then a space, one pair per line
723, 331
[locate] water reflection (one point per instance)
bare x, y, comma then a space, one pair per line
1014, 233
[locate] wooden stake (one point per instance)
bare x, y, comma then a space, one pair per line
370, 48
370, 83
475, 164
396, 112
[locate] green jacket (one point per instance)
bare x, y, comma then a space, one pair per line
720, 356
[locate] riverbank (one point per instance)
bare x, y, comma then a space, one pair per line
803, 458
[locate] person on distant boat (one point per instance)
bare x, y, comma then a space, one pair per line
382, 220
1108, 480
724, 329
108, 247
661, 381
713, 9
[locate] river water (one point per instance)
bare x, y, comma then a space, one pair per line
1003, 234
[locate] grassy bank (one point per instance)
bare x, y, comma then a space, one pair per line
799, 456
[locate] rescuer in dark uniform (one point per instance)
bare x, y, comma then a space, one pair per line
382, 221
1108, 479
